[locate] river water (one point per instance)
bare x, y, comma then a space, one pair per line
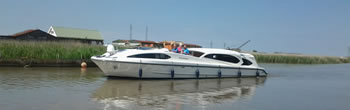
288, 87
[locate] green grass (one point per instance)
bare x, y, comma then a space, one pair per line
14, 50
299, 59
11, 50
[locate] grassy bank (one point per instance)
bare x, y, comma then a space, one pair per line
298, 59
21, 53
47, 52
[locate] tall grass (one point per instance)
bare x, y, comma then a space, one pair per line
12, 50
298, 59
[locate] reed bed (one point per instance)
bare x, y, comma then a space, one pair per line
299, 59
48, 51
12, 51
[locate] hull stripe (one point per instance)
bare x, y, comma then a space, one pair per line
186, 65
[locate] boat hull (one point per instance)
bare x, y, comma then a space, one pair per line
149, 70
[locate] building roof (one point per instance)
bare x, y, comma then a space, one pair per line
65, 32
24, 32
179, 42
192, 45
171, 42
142, 41
133, 41
5, 36
120, 41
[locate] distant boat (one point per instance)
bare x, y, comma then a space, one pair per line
161, 63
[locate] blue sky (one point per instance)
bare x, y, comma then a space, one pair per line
315, 27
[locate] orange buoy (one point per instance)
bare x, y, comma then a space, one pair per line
83, 65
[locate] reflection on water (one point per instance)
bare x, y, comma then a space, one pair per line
29, 78
173, 94
288, 87
48, 88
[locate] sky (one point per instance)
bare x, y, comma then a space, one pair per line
312, 27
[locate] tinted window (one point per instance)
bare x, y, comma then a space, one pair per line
246, 62
144, 48
223, 57
196, 54
150, 55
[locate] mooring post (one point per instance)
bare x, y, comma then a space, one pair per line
239, 74
257, 73
172, 71
140, 70
197, 72
219, 72
140, 73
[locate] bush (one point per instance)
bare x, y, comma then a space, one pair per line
10, 49
298, 59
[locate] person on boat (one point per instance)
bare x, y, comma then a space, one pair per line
179, 49
186, 51
174, 49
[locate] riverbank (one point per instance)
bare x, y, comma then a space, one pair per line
20, 53
298, 59
68, 54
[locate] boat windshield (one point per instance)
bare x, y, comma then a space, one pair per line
196, 53
150, 56
223, 57
144, 48
121, 50
246, 62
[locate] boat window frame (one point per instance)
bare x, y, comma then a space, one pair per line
246, 61
236, 59
199, 52
156, 56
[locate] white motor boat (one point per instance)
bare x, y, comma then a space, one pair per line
162, 63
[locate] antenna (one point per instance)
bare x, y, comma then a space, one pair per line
243, 44
224, 45
146, 34
130, 31
211, 44
349, 52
